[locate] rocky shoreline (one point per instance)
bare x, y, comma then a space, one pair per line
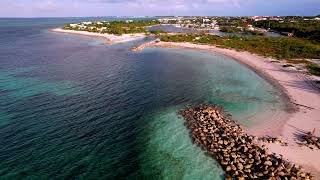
240, 155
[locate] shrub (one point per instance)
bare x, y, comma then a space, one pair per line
314, 69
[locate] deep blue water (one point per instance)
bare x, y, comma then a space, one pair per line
72, 107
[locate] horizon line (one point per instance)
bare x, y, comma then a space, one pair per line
28, 17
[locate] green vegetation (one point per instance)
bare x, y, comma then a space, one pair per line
229, 29
232, 21
280, 48
115, 27
309, 29
314, 69
240, 30
157, 32
257, 33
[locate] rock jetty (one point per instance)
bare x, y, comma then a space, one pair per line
269, 139
239, 154
311, 140
145, 45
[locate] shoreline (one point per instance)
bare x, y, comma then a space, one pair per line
303, 100
111, 38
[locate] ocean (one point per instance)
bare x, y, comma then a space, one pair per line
72, 107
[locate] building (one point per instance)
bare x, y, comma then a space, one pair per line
250, 27
86, 23
73, 25
258, 18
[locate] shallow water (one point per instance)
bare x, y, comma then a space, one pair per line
71, 107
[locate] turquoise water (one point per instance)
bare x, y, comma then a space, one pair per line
169, 152
74, 108
23, 87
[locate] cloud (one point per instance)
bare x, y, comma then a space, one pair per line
173, 7
168, 3
30, 8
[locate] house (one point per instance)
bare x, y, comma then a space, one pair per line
205, 20
275, 18
86, 23
217, 28
102, 29
258, 18
73, 25
250, 27
82, 27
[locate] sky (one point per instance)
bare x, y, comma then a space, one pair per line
80, 8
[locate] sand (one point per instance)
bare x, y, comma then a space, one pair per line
301, 93
111, 38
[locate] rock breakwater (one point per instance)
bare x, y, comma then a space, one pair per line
239, 154
145, 45
311, 140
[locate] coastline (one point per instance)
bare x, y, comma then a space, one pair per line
303, 113
110, 38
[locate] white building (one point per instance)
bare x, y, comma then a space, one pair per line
73, 25
250, 27
205, 20
87, 23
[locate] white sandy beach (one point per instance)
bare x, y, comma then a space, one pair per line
111, 38
305, 97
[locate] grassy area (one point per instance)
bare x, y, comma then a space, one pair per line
279, 48
314, 69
